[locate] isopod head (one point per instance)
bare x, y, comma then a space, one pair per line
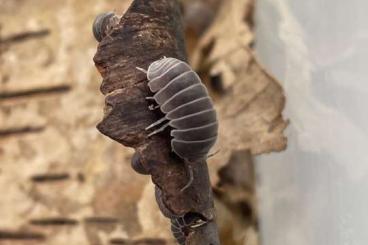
157, 67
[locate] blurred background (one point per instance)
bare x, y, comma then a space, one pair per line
315, 192
61, 181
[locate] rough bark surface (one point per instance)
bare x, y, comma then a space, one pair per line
148, 31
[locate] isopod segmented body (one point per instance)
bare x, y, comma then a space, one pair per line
188, 109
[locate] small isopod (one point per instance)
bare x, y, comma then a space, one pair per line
187, 107
103, 25
180, 225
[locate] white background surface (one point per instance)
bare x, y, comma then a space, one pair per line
316, 192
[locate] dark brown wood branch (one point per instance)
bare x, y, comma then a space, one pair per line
148, 31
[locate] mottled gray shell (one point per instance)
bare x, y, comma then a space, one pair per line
187, 106
98, 24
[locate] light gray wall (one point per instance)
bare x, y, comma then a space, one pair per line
316, 192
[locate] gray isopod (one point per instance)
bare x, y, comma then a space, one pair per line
187, 108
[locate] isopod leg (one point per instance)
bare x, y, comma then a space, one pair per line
156, 123
153, 107
162, 128
191, 177
141, 69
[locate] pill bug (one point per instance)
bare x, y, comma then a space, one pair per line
181, 96
180, 225
187, 107
103, 25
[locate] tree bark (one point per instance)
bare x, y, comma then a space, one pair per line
148, 31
